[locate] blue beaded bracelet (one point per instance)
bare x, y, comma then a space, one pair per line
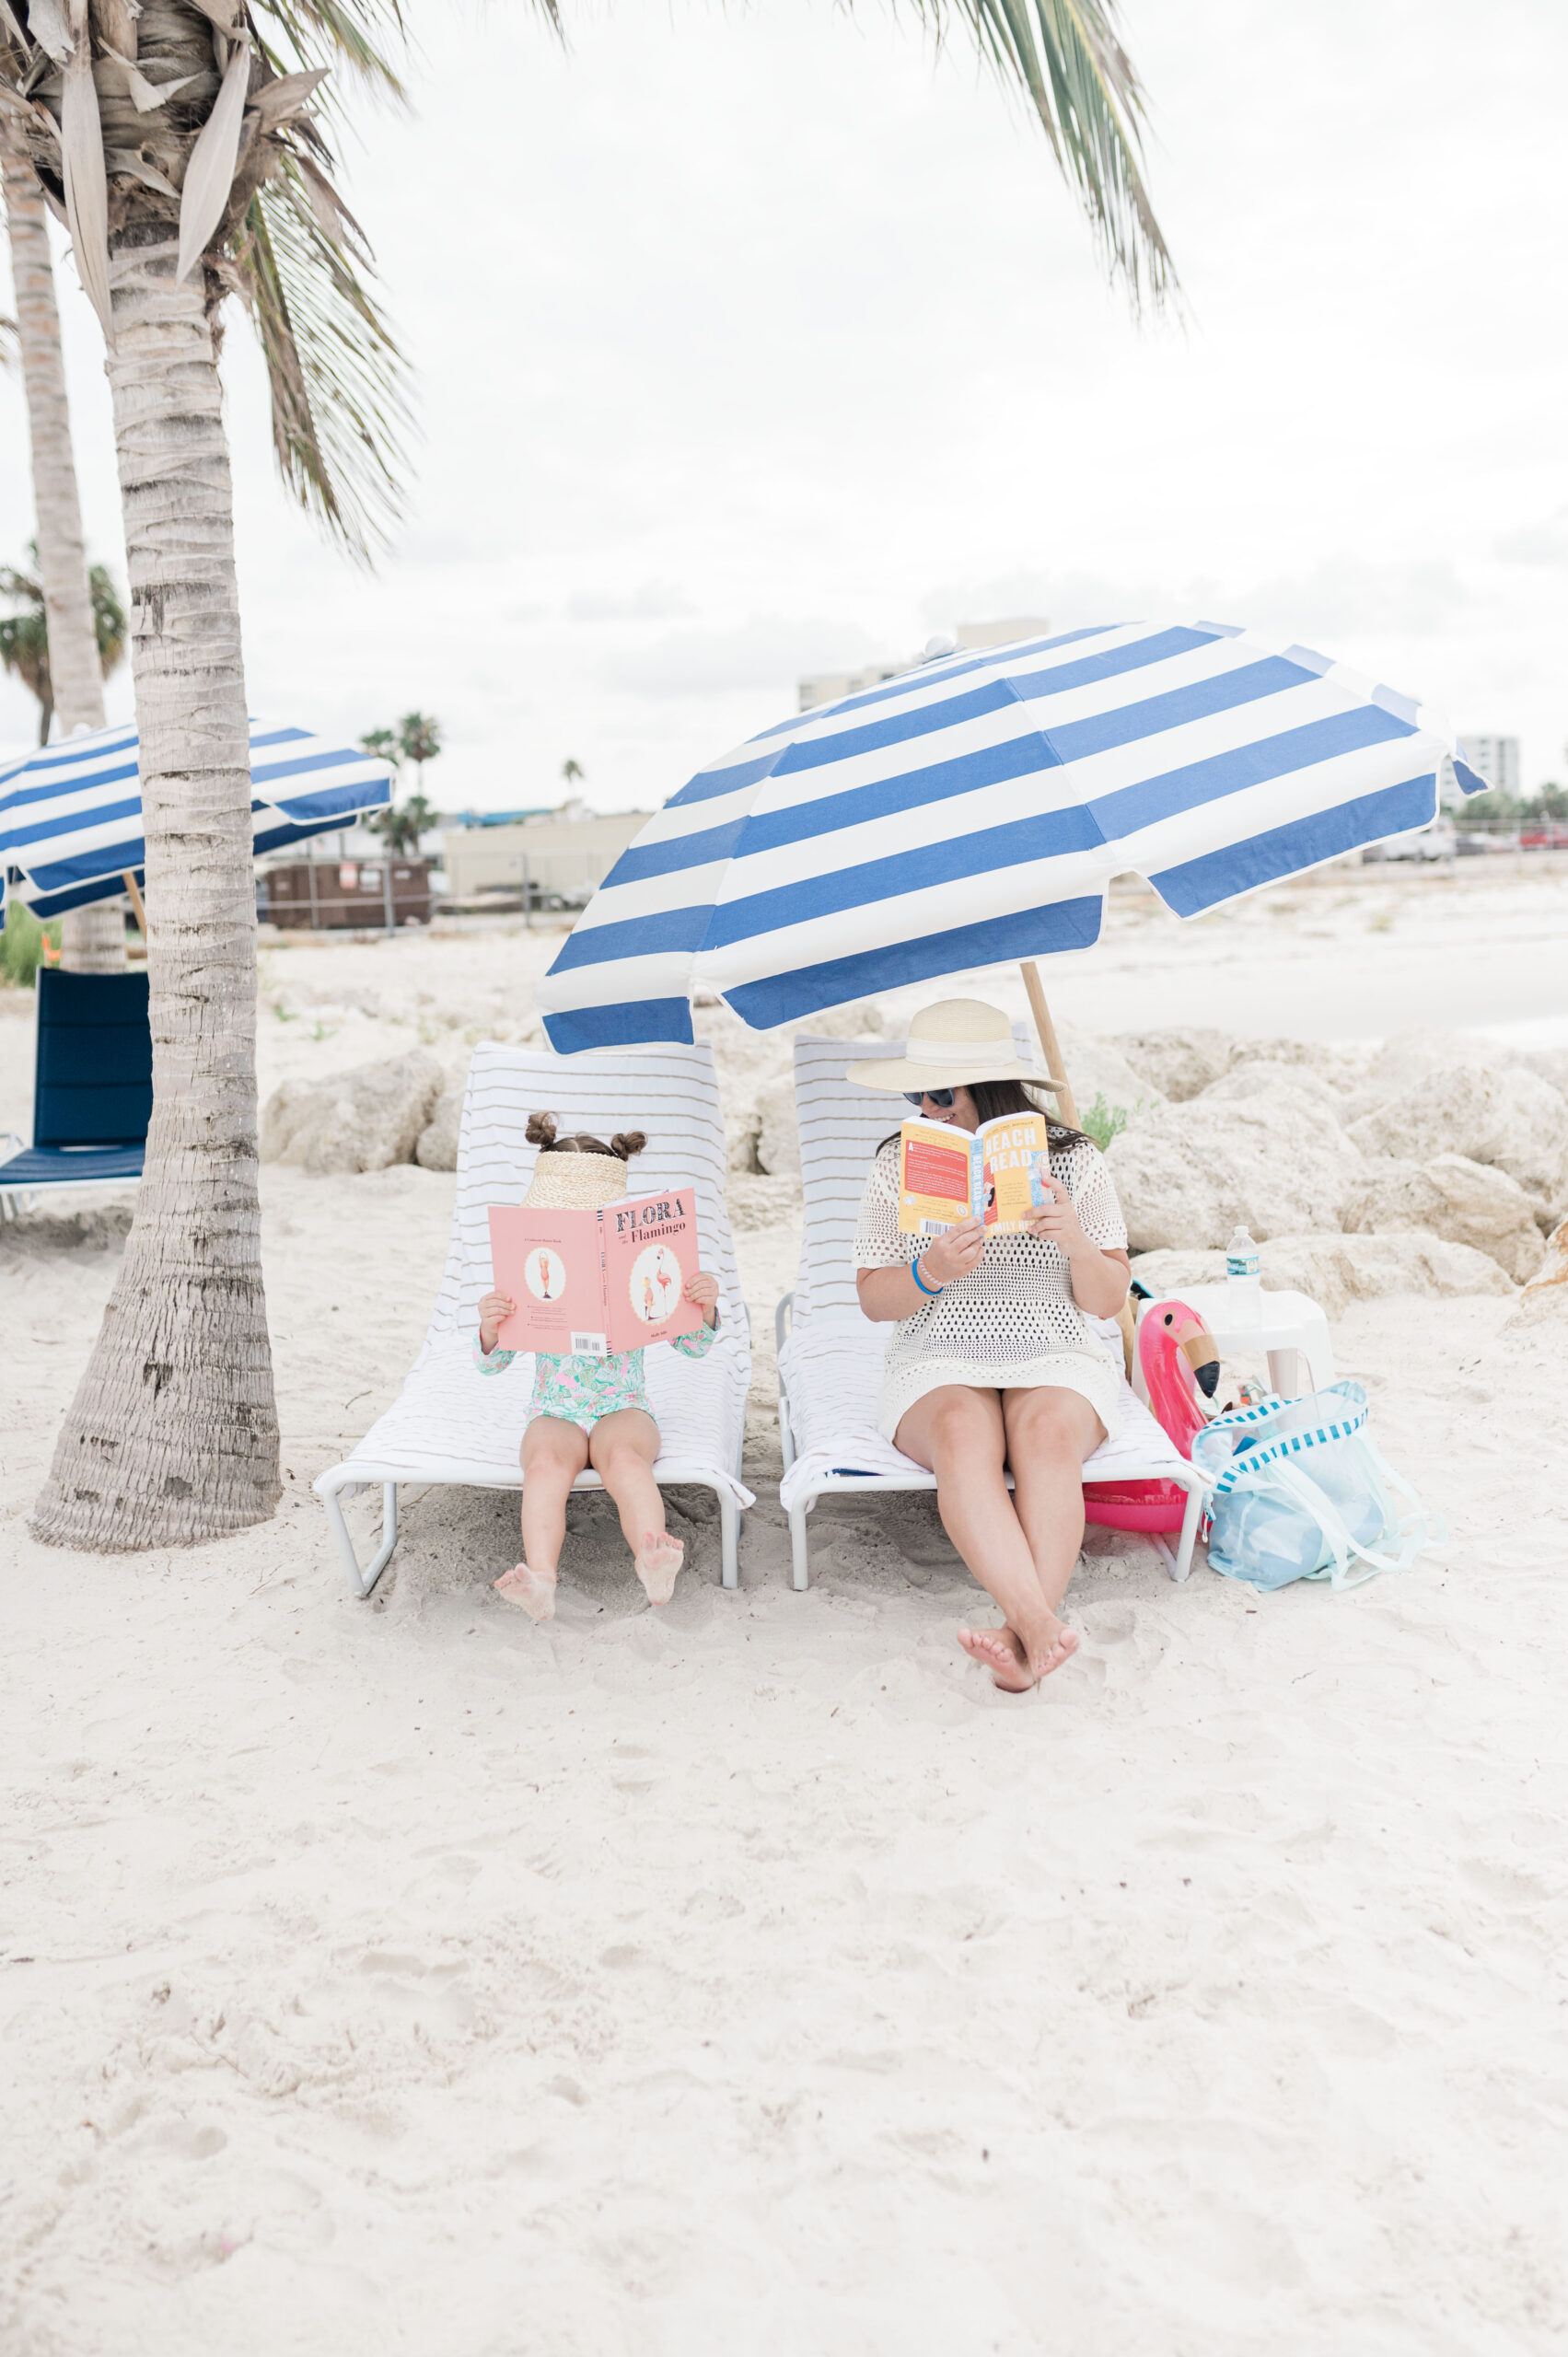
930, 1291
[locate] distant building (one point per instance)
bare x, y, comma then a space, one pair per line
831, 687
1496, 759
566, 852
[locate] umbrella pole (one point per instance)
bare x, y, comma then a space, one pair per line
138, 905
1067, 1108
1050, 1047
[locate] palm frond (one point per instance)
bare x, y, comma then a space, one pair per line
1067, 59
323, 33
341, 414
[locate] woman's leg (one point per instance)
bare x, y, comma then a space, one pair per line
1049, 1431
554, 1452
958, 1432
621, 1449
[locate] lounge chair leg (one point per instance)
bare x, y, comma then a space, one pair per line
1189, 1521
365, 1580
798, 1550
729, 1540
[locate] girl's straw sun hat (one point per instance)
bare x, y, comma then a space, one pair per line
955, 1042
574, 1182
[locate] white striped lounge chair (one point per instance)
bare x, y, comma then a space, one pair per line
451, 1423
830, 1354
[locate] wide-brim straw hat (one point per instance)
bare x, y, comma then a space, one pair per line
950, 1045
574, 1182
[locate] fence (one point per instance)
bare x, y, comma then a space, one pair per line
358, 895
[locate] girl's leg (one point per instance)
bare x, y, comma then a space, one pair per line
621, 1449
554, 1452
958, 1432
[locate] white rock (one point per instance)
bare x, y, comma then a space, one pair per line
437, 1146
1177, 1064
362, 1120
1271, 1083
1512, 1118
1341, 1064
1408, 1058
1552, 1063
1545, 1299
1464, 1202
742, 1127
1097, 1073
778, 1136
1334, 1271
1536, 1139
1191, 1173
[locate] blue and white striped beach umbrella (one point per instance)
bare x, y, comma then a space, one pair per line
976, 811
71, 814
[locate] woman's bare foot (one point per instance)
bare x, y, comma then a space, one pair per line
999, 1651
535, 1590
658, 1560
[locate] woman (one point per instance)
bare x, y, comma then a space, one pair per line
991, 1367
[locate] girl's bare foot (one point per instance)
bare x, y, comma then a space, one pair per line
999, 1651
658, 1560
535, 1590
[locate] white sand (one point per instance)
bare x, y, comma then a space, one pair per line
761, 1982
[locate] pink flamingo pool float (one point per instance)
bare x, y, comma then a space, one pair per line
1178, 1359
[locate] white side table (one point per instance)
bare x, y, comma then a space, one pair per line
1291, 1328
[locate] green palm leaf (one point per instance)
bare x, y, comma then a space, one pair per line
1067, 59
341, 414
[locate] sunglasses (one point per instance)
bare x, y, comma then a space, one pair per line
941, 1097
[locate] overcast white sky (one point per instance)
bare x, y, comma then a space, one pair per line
759, 340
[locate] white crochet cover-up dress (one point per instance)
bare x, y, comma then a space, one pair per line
1013, 1320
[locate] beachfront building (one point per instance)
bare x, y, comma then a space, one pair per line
557, 854
1496, 759
828, 687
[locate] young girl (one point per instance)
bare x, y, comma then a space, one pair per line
585, 1410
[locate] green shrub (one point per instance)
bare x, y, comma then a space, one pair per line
1102, 1121
21, 944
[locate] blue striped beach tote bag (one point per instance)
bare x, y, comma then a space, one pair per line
1299, 1491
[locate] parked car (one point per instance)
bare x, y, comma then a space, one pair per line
1436, 841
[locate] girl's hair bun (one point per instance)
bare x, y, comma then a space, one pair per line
626, 1142
541, 1129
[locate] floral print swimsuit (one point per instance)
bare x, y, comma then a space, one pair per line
580, 1390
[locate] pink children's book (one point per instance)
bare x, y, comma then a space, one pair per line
591, 1283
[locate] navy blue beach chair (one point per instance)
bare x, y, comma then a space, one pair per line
93, 1091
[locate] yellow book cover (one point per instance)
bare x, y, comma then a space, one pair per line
1000, 1175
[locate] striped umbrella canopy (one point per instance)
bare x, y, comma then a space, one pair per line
71, 814
976, 808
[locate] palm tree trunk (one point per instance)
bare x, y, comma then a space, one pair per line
173, 1436
92, 939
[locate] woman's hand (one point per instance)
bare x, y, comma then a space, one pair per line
1098, 1279
1059, 1225
493, 1310
702, 1291
953, 1254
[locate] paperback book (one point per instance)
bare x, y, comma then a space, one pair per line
1000, 1175
590, 1283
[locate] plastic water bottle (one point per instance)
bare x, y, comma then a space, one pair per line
1243, 1284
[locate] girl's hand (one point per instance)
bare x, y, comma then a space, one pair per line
1058, 1223
953, 1254
492, 1309
703, 1290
